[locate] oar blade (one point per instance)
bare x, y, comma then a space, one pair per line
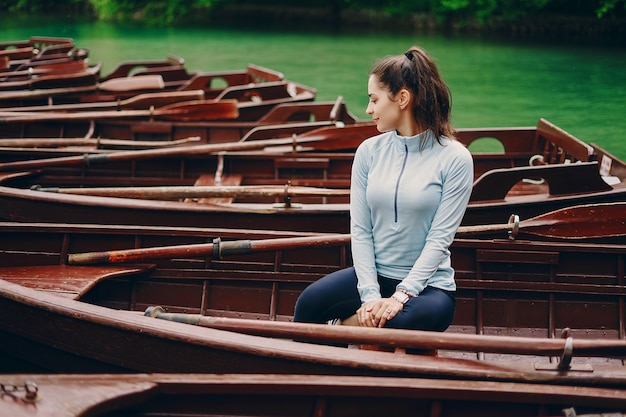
136, 83
200, 110
589, 221
160, 99
195, 110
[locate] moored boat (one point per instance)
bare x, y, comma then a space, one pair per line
515, 300
74, 94
68, 76
171, 72
188, 118
179, 395
36, 51
570, 175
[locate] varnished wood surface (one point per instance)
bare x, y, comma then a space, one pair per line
206, 395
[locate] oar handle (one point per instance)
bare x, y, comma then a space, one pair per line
184, 111
414, 339
138, 102
151, 153
604, 211
512, 227
217, 249
138, 255
121, 84
216, 191
95, 143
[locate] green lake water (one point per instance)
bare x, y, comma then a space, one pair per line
494, 83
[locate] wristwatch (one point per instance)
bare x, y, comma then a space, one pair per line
401, 296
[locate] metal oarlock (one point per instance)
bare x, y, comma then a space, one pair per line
514, 219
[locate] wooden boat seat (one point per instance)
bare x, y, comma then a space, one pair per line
260, 74
129, 68
17, 53
302, 163
256, 92
582, 177
282, 130
214, 82
71, 281
558, 146
207, 179
309, 111
174, 74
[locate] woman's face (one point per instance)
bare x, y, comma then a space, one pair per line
384, 111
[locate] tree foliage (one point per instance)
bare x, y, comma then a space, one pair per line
167, 12
171, 12
45, 6
610, 6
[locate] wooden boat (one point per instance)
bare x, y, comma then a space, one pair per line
69, 77
256, 98
55, 67
39, 74
254, 101
514, 301
58, 64
337, 137
38, 50
130, 76
126, 79
178, 395
171, 74
53, 84
500, 188
232, 120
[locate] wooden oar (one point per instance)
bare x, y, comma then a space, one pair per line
178, 192
185, 111
347, 137
414, 339
46, 69
68, 142
599, 220
140, 101
114, 85
585, 221
216, 249
149, 154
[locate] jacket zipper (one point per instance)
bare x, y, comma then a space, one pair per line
395, 198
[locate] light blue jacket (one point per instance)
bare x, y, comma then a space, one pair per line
408, 196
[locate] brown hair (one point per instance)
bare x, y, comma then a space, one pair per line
416, 71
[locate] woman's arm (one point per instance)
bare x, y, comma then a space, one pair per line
456, 190
361, 228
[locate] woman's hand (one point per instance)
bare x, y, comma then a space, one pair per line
377, 313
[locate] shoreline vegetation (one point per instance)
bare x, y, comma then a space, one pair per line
590, 21
547, 26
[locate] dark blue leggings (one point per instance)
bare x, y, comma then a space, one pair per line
335, 296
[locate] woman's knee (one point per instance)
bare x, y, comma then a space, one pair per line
324, 295
433, 310
307, 306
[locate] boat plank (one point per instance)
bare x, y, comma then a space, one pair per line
272, 395
66, 280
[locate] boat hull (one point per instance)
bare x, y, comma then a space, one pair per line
270, 395
62, 317
303, 395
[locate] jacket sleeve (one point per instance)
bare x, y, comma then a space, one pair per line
457, 181
361, 228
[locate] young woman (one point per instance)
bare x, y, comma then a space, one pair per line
409, 190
